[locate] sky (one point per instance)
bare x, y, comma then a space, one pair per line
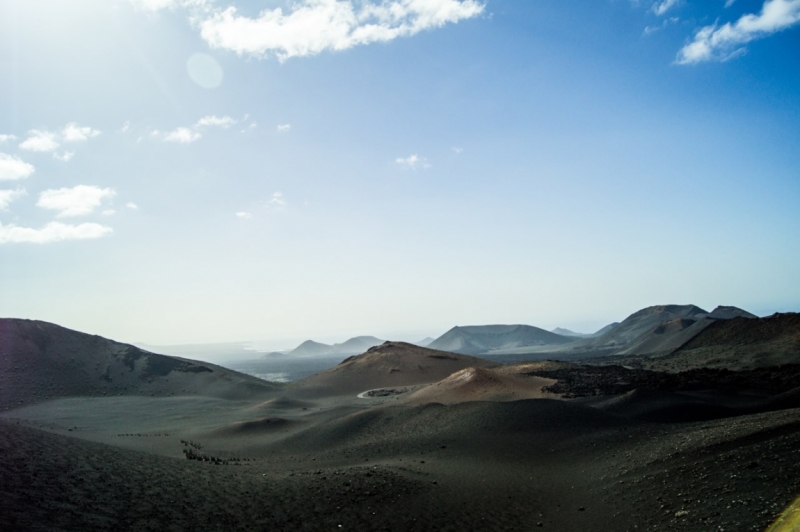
190, 171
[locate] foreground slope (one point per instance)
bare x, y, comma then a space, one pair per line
480, 466
389, 364
41, 361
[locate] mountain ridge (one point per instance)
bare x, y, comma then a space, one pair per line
483, 339
41, 361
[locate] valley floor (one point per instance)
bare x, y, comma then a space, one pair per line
379, 464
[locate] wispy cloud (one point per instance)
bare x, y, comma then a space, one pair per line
75, 201
413, 162
661, 7
75, 133
720, 43
277, 201
284, 128
7, 196
188, 135
310, 27
224, 122
132, 206
39, 140
157, 5
244, 215
125, 127
64, 157
457, 150
52, 232
729, 3
182, 135
6, 138
667, 22
13, 168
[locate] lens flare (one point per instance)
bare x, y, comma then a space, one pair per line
205, 71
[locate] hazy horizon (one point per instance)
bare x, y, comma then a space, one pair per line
205, 171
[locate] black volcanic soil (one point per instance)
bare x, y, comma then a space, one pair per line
584, 380
704, 450
524, 465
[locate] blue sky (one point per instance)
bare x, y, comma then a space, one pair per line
182, 171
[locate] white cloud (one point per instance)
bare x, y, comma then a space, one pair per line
13, 168
182, 135
413, 162
277, 200
75, 201
74, 133
667, 22
458, 150
244, 215
224, 122
65, 157
7, 196
52, 232
125, 127
109, 212
6, 138
153, 5
310, 27
660, 8
284, 128
39, 140
713, 43
729, 3
132, 206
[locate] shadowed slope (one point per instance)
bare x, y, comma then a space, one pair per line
641, 322
739, 343
41, 361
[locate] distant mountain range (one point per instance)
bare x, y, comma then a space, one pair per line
658, 329
353, 346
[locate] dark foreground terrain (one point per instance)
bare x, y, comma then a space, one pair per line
599, 449
475, 466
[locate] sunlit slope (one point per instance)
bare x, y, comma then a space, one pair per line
389, 364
